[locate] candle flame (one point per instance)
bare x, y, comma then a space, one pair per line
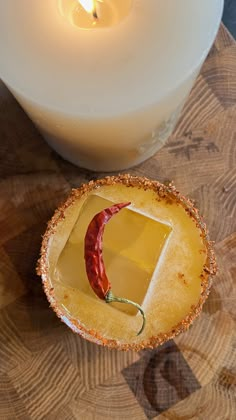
88, 5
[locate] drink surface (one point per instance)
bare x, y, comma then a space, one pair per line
132, 246
154, 253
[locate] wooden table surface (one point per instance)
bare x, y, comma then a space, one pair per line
46, 371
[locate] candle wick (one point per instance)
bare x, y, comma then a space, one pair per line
95, 15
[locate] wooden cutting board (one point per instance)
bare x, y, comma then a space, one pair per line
46, 371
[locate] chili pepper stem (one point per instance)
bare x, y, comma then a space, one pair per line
111, 298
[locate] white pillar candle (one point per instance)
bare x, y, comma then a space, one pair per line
106, 97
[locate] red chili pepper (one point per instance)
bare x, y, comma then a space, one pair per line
94, 260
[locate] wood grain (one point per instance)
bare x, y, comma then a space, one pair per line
46, 371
